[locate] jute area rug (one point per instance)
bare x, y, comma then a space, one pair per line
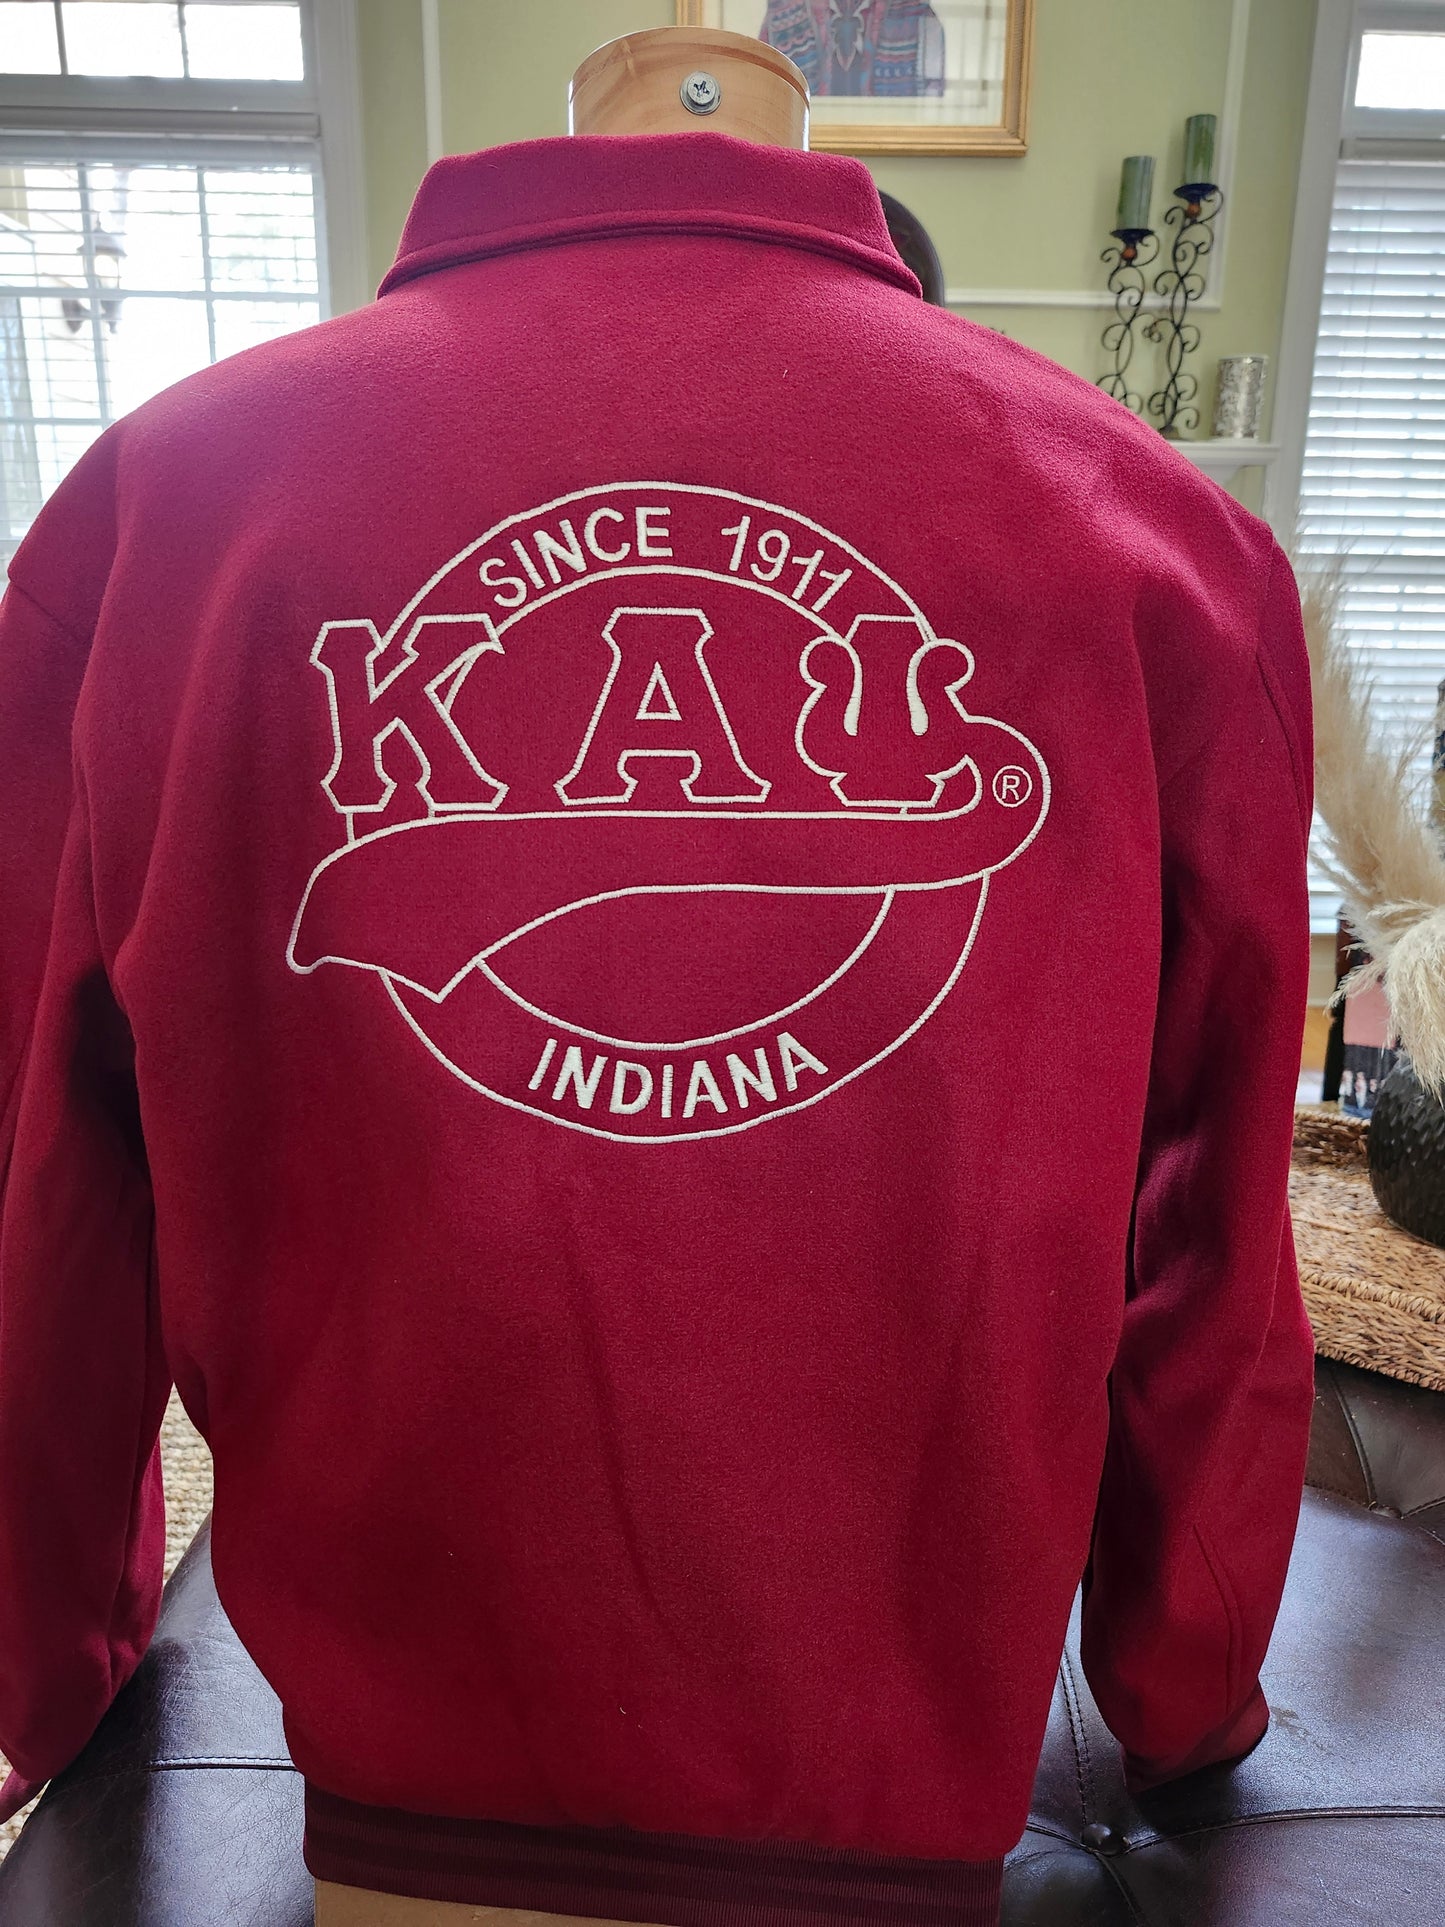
188, 1499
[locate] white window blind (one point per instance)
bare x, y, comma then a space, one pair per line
1373, 488
117, 278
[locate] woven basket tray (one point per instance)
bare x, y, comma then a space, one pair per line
1375, 1294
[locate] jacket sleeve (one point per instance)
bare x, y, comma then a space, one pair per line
83, 1382
1211, 1391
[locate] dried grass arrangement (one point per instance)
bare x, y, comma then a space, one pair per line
1381, 850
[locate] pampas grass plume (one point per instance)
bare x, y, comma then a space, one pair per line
1379, 849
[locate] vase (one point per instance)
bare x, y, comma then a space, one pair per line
1407, 1154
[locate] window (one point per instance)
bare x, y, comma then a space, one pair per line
1401, 72
160, 207
1373, 481
171, 39
1374, 474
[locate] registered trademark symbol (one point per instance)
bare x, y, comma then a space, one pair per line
1012, 786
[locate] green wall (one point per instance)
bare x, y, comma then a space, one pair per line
505, 65
1110, 77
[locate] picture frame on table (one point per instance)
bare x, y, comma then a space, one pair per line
898, 76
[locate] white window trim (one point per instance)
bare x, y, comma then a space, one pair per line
1333, 125
431, 77
332, 51
1335, 130
323, 111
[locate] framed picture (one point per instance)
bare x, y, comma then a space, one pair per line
898, 76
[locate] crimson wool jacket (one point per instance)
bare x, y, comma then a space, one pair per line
654, 942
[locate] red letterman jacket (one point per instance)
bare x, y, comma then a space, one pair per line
654, 942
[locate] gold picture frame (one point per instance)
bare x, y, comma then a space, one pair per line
902, 125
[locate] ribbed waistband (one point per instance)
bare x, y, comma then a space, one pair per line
617, 1873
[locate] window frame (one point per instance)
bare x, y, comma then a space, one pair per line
318, 115
1335, 129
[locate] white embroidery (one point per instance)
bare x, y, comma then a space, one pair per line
889, 752
658, 704
803, 1103
700, 722
865, 626
684, 1043
439, 692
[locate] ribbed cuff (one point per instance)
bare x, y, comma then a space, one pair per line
616, 1873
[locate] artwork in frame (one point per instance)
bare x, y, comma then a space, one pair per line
898, 76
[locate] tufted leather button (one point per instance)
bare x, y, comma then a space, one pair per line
1101, 1839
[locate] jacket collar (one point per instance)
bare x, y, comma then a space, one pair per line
534, 194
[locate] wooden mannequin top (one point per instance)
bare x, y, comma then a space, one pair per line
643, 84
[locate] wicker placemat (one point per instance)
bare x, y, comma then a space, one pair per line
1375, 1294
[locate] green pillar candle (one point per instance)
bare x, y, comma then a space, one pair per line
1198, 150
1136, 189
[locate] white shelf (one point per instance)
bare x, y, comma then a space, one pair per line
1223, 457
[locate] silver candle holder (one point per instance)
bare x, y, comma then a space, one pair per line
1239, 396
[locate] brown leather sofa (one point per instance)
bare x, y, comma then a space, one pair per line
185, 1810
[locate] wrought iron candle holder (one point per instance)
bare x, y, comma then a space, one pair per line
1136, 250
1179, 285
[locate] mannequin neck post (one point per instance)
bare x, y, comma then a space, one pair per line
677, 80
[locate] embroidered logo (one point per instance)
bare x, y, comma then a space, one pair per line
663, 812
